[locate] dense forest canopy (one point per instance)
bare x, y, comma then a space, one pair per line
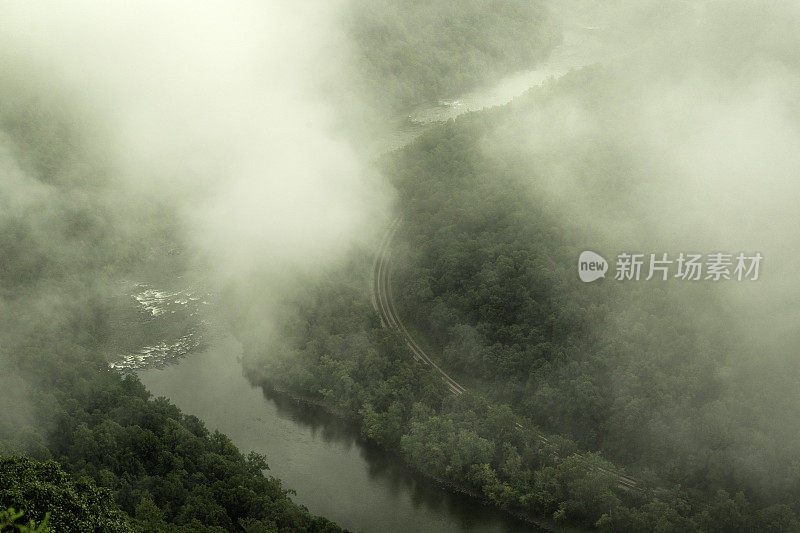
52, 499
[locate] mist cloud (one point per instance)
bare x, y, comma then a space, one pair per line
229, 113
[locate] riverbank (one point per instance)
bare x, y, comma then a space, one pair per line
321, 456
270, 388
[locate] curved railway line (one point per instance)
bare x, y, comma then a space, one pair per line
381, 294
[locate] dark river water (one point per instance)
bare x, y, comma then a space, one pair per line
334, 472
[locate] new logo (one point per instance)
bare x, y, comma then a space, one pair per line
591, 266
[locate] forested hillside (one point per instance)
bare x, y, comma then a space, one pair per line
487, 276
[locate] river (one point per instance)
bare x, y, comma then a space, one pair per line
335, 473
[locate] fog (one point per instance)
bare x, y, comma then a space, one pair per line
232, 145
229, 114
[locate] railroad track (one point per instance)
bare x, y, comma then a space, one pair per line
384, 306
381, 294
